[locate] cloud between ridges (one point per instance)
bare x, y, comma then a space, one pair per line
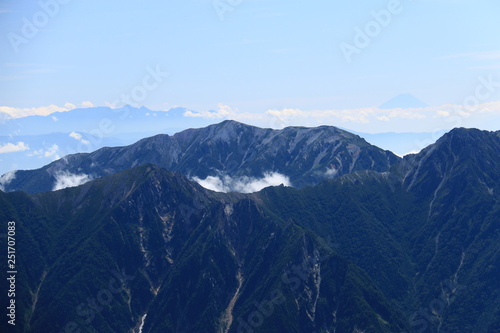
66, 179
244, 184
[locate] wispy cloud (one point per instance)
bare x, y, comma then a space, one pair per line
66, 179
39, 71
34, 65
493, 67
11, 77
411, 119
372, 119
41, 110
79, 137
223, 111
483, 55
50, 152
28, 70
6, 178
11, 148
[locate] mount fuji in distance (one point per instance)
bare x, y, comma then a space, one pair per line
39, 140
403, 101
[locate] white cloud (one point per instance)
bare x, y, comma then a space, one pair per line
242, 184
52, 151
361, 115
66, 179
375, 120
11, 148
331, 172
223, 111
6, 178
36, 111
411, 152
484, 115
87, 104
75, 135
78, 137
213, 183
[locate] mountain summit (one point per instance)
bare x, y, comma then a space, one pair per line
305, 155
411, 249
403, 101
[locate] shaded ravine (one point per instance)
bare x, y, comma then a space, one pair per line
35, 296
227, 317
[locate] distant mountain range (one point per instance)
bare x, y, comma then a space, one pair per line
228, 149
384, 245
127, 119
39, 140
404, 101
50, 137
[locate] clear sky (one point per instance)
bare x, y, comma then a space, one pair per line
289, 57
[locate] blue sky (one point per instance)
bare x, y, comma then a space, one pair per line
254, 56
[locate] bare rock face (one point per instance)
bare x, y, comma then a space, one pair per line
305, 155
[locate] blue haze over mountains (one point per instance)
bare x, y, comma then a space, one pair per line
48, 137
100, 126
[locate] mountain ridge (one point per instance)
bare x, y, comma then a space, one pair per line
306, 155
185, 256
413, 248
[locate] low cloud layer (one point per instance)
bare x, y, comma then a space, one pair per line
6, 179
472, 113
373, 120
42, 110
242, 184
66, 179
